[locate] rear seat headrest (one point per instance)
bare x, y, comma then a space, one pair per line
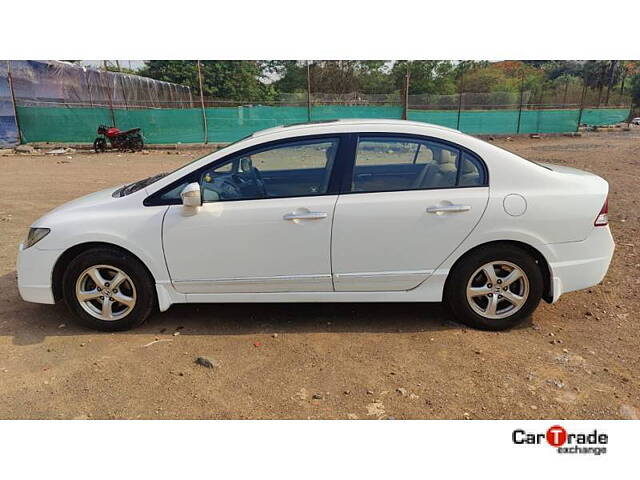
447, 156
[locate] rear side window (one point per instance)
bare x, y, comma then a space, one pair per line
390, 164
471, 172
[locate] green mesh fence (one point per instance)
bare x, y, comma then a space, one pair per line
446, 118
163, 125
550, 121
227, 124
604, 116
60, 124
331, 112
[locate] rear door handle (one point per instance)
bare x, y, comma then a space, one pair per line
448, 208
305, 216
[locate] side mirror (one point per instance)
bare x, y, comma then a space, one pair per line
191, 196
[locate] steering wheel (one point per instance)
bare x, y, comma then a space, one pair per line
238, 179
224, 187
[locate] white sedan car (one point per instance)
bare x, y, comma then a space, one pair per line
342, 211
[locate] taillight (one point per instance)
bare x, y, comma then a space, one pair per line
603, 217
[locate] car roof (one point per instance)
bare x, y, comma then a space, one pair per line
309, 127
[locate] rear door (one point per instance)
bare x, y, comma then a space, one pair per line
409, 202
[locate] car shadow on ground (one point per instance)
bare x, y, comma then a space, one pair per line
30, 323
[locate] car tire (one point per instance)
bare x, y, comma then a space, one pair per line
476, 300
108, 289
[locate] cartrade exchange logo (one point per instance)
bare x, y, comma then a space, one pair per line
594, 443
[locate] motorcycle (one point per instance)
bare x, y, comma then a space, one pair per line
120, 140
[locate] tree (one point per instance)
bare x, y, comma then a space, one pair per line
224, 79
426, 76
563, 68
485, 80
292, 73
595, 75
333, 76
374, 76
635, 90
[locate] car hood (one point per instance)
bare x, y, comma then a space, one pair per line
92, 200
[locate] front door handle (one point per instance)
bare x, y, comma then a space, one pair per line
448, 208
305, 216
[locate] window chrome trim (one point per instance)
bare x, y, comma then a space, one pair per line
349, 170
335, 178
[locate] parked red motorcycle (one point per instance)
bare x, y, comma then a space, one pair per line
123, 141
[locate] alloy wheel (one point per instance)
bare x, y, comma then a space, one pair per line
497, 289
106, 292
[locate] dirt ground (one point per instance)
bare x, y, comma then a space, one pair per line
577, 359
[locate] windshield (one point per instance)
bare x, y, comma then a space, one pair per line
145, 182
140, 184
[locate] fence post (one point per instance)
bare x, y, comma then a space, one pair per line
405, 106
584, 92
308, 91
521, 99
460, 94
610, 83
124, 92
86, 79
13, 102
204, 113
106, 75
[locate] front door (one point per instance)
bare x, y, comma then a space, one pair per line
265, 223
411, 203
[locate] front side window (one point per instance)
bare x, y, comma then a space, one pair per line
386, 164
291, 170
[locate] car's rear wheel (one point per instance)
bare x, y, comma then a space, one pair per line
494, 288
108, 289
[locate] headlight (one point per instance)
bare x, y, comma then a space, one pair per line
35, 235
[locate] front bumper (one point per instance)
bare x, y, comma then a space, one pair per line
581, 264
34, 269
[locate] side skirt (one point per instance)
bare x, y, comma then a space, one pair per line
429, 291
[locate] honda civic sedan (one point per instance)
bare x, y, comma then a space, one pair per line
342, 211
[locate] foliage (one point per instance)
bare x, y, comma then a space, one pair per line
425, 76
226, 79
635, 89
114, 68
544, 81
333, 76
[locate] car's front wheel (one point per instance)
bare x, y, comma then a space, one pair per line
494, 288
108, 289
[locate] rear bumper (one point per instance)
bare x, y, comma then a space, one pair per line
581, 264
34, 269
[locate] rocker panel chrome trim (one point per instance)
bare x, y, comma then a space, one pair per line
275, 284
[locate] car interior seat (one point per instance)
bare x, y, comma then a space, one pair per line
469, 175
444, 173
